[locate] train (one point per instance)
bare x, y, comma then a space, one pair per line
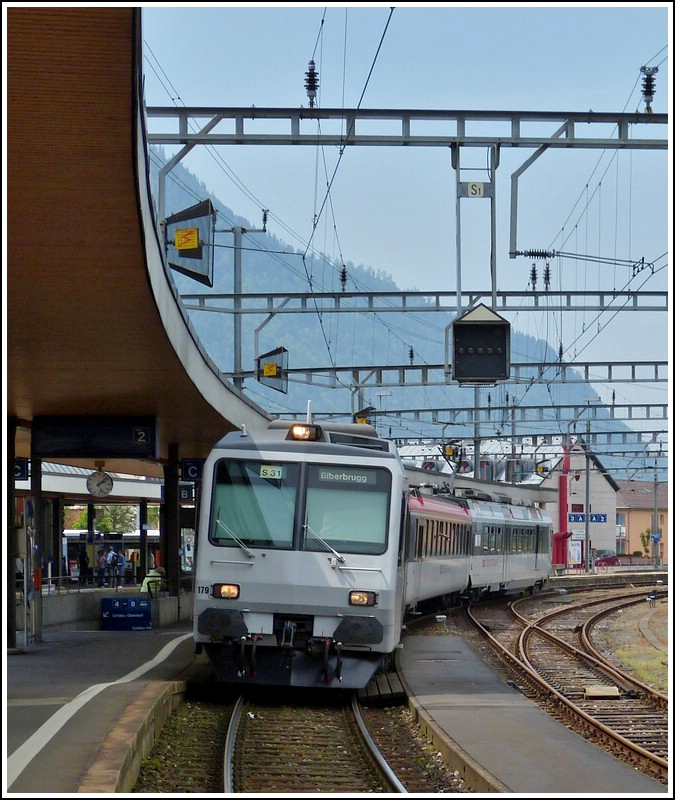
313, 549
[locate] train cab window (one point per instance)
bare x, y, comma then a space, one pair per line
254, 504
348, 508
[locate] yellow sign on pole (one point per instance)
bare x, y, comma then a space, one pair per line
269, 369
186, 239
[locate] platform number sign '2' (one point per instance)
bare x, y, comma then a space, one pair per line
141, 435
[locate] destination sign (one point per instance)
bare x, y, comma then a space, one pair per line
346, 475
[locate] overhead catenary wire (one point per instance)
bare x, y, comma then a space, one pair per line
312, 277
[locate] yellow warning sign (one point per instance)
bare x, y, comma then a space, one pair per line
269, 369
186, 239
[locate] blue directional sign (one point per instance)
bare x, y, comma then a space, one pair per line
582, 518
126, 614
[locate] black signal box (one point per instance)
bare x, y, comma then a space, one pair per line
481, 347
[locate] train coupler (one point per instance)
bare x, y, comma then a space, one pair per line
327, 644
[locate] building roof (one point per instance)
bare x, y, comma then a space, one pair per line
640, 494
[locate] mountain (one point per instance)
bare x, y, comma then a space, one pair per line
351, 339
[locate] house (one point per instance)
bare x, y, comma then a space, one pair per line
636, 505
585, 507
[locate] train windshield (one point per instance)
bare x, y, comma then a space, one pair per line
254, 503
339, 508
347, 508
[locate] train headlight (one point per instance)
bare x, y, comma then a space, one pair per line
229, 591
304, 432
359, 598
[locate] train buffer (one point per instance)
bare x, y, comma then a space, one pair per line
383, 689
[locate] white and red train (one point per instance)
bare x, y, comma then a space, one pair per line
312, 549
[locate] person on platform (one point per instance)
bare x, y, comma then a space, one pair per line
121, 567
83, 562
101, 567
111, 566
153, 581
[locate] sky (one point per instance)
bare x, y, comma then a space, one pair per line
394, 209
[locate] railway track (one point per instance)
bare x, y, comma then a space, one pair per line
194, 754
303, 748
552, 659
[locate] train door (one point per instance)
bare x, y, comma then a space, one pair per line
403, 555
506, 553
413, 563
538, 546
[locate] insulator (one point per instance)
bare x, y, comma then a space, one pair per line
343, 277
265, 213
560, 352
533, 276
648, 86
547, 276
411, 355
311, 83
539, 254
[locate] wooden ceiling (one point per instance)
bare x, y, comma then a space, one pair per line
93, 326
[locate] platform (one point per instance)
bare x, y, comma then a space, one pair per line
474, 717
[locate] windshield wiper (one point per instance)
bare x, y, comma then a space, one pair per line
248, 552
324, 543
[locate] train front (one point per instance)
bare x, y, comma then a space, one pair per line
299, 575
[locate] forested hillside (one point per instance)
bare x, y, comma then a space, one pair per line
350, 339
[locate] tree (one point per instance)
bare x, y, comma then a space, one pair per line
153, 516
112, 519
646, 540
121, 519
